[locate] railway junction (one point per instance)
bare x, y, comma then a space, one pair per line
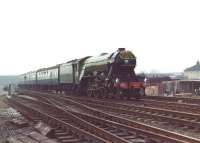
98, 99
51, 117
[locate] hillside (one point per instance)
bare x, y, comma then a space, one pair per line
5, 80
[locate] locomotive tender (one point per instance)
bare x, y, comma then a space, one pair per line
105, 75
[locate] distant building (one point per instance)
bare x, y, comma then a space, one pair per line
193, 73
177, 76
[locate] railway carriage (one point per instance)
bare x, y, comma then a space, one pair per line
48, 78
21, 79
31, 78
27, 80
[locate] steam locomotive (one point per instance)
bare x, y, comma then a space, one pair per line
109, 75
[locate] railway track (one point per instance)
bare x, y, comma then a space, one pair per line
117, 132
63, 123
182, 104
79, 108
161, 104
182, 107
174, 99
143, 107
179, 122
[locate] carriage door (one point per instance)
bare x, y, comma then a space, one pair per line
75, 73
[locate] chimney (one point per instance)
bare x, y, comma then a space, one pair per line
121, 49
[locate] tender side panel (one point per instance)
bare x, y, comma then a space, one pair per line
66, 73
97, 63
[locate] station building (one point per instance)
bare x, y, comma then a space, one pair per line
192, 73
188, 85
191, 82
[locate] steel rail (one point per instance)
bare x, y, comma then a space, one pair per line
123, 131
146, 115
160, 133
175, 99
178, 106
157, 131
55, 122
60, 113
191, 117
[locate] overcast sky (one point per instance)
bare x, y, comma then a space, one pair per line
164, 35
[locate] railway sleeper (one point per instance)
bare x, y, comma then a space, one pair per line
130, 136
178, 121
145, 110
40, 114
123, 120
